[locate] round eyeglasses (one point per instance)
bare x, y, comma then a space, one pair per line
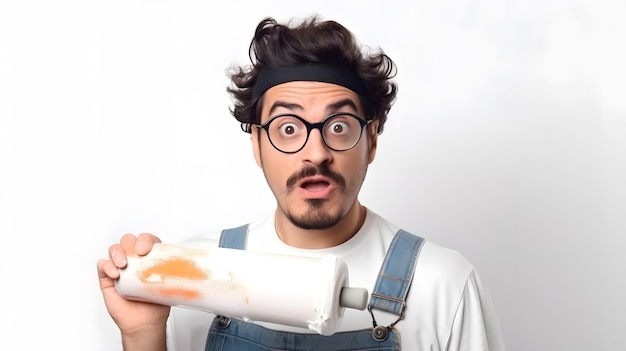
289, 133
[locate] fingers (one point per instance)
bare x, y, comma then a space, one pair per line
117, 255
144, 243
139, 245
107, 272
130, 245
128, 242
108, 269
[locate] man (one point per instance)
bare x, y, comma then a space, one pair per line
315, 102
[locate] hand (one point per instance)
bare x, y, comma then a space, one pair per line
134, 319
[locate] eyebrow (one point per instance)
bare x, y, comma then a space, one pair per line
334, 107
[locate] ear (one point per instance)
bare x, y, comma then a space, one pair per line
254, 138
372, 132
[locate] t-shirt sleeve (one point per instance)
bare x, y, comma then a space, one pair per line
475, 326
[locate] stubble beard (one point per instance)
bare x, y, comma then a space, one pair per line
315, 218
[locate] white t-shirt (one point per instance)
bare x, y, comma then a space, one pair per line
447, 308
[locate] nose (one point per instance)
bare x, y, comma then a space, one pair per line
315, 151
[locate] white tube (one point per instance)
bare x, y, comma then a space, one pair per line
284, 289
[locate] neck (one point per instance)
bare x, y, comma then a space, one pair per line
323, 238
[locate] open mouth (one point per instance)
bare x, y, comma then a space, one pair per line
315, 185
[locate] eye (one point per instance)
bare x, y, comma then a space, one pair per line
338, 127
288, 128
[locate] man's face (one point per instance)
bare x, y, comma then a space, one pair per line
316, 186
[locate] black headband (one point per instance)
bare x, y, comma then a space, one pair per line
313, 72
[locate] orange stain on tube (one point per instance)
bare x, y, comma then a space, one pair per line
188, 294
174, 268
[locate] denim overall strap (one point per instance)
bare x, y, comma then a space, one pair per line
396, 273
234, 238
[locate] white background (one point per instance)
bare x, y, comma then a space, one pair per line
507, 143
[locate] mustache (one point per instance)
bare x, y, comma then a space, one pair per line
310, 171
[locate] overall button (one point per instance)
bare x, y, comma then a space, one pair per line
380, 333
223, 322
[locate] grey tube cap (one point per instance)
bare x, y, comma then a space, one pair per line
353, 298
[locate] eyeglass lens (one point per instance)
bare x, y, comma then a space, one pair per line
289, 133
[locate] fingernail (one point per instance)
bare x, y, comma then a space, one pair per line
142, 247
118, 259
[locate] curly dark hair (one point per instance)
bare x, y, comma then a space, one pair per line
312, 41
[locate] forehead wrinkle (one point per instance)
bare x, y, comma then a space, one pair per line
298, 97
287, 105
330, 108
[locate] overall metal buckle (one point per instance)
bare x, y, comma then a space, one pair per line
380, 332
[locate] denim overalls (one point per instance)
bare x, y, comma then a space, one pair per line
389, 294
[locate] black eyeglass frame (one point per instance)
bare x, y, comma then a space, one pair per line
310, 126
